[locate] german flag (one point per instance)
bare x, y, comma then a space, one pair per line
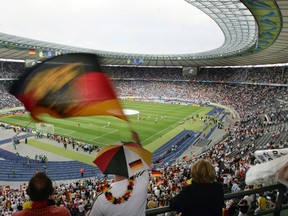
67, 86
156, 173
32, 51
136, 164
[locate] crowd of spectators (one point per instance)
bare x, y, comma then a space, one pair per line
249, 74
216, 74
252, 74
242, 98
7, 100
252, 102
11, 69
75, 195
72, 142
277, 75
78, 195
145, 73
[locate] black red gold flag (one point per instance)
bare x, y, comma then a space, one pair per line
32, 51
67, 86
156, 173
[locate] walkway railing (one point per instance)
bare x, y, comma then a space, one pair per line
276, 211
58, 176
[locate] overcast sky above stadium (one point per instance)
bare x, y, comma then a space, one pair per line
133, 26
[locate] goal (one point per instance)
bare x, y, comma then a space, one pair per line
44, 128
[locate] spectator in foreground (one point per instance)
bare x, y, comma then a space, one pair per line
262, 203
39, 190
204, 196
124, 197
243, 207
127, 195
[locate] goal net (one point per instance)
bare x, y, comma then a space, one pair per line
44, 128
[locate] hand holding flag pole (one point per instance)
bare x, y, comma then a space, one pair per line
135, 137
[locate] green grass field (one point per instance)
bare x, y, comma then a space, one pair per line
95, 129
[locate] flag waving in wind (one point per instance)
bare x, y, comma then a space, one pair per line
67, 86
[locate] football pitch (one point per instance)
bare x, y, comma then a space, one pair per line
155, 120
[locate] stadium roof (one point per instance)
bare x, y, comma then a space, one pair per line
255, 33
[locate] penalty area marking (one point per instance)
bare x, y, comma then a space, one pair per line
104, 135
71, 132
65, 131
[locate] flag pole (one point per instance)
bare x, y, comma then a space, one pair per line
134, 134
28, 124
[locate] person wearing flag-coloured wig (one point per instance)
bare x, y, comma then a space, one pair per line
126, 196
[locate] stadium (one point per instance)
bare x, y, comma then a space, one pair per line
221, 105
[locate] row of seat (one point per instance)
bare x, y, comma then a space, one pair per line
16, 168
170, 143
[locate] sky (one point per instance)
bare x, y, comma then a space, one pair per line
131, 26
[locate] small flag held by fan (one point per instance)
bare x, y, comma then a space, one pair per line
32, 51
156, 173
